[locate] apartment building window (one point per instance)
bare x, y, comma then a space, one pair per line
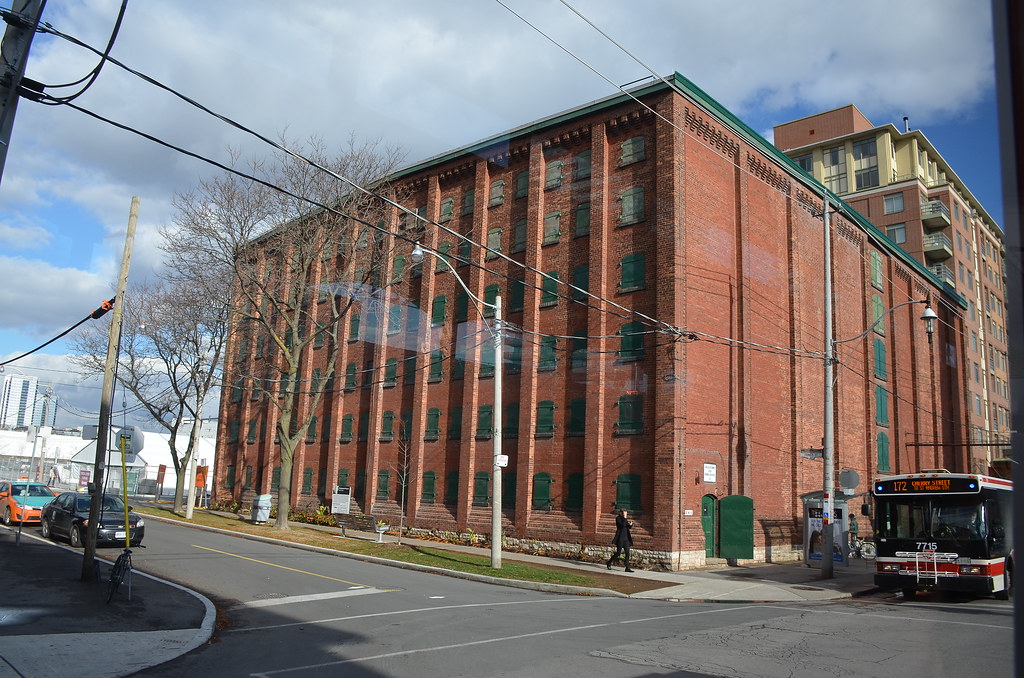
250, 436
553, 174
461, 306
578, 353
510, 419
893, 203
878, 313
433, 429
350, 376
883, 451
631, 415
493, 243
468, 199
514, 352
897, 233
582, 166
391, 372
353, 327
632, 272
552, 229
547, 361
805, 162
429, 492
834, 169
517, 296
518, 236
581, 223
880, 365
549, 289
485, 421
497, 194
631, 345
545, 426
632, 151
522, 184
437, 310
881, 406
865, 163
436, 366
455, 424
631, 204
977, 373
581, 280
577, 416
447, 210
876, 270
394, 319
490, 296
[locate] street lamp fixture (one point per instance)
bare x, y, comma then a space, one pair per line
499, 460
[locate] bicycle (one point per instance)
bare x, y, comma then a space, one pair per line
122, 567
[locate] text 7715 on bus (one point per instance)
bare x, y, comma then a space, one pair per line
946, 531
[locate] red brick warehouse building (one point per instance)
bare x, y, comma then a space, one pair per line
683, 365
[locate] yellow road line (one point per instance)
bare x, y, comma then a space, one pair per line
291, 569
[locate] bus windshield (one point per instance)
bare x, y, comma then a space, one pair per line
922, 518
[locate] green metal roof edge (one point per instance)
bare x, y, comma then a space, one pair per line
737, 126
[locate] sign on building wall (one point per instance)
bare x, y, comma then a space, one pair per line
710, 473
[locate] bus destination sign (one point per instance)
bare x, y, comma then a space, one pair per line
929, 485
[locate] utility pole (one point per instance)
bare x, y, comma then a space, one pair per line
828, 444
21, 28
107, 398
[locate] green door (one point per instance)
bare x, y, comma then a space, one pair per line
737, 527
708, 504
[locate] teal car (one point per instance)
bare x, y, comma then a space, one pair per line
23, 501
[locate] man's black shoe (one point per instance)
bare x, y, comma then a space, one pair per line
628, 570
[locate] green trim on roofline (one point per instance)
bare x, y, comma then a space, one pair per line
738, 127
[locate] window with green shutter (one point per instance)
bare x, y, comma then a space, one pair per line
361, 483
447, 210
541, 490
364, 426
394, 319
250, 435
311, 430
350, 376
513, 359
428, 492
881, 406
632, 270
552, 228
522, 184
383, 484
518, 236
233, 431
631, 345
582, 170
876, 270
275, 479
549, 289
631, 415
461, 306
436, 366
545, 419
481, 488
368, 374
577, 417
465, 251
580, 280
249, 473
878, 314
468, 200
316, 379
321, 482
508, 489
631, 204
485, 421
880, 364
229, 477
433, 430
346, 429
574, 492
307, 481
318, 338
493, 243
632, 151
553, 174
581, 221
353, 327
627, 492
387, 427
405, 427
391, 372
443, 262
342, 477
236, 391
437, 310
510, 421
517, 296
451, 488
490, 296
455, 424
548, 359
578, 356
497, 194
409, 370
459, 362
325, 427
261, 346
883, 451
487, 357
397, 268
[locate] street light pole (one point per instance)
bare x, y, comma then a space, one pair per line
498, 460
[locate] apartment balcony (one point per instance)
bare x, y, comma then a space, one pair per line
937, 246
934, 214
943, 273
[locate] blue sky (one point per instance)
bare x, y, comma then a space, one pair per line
427, 77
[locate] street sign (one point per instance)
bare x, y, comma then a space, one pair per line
341, 500
849, 479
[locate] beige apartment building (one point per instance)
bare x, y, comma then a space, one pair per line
898, 180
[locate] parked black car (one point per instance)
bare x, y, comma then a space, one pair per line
67, 515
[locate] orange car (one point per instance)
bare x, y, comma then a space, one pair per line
23, 500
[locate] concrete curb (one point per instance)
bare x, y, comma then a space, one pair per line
487, 579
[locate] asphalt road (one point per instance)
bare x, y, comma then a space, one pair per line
286, 612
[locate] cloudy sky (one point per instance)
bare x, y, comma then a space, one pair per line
427, 77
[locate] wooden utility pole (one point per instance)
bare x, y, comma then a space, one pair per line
106, 399
21, 20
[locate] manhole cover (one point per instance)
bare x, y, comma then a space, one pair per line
807, 588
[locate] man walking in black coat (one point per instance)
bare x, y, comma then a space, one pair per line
623, 539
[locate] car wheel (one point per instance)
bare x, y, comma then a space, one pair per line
47, 533
7, 515
75, 536
1007, 591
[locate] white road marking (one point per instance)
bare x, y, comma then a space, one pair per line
270, 602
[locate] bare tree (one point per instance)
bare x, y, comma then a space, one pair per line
172, 335
299, 259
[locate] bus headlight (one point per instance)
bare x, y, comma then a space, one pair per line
888, 567
970, 569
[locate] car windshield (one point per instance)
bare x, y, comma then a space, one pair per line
110, 503
18, 489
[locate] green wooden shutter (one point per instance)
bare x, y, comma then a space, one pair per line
582, 165
490, 295
353, 327
581, 279
433, 431
383, 484
468, 200
350, 376
545, 418
553, 174
387, 426
307, 481
880, 363
736, 527
632, 206
508, 489
518, 236
497, 194
275, 479
436, 366
883, 451
878, 314
631, 346
481, 488
443, 260
451, 488
881, 406
455, 423
229, 477
514, 352
342, 477
485, 421
437, 309
630, 414
394, 319
522, 184
461, 307
581, 221
627, 492
346, 428
578, 357
549, 289
364, 426
574, 492
510, 421
447, 210
541, 490
428, 492
577, 416
632, 266
517, 298
552, 227
547, 361
311, 430
391, 372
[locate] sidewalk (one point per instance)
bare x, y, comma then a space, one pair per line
50, 619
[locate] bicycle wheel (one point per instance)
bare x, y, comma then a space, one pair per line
118, 572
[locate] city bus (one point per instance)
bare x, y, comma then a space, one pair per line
944, 531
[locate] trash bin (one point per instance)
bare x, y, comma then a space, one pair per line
261, 508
